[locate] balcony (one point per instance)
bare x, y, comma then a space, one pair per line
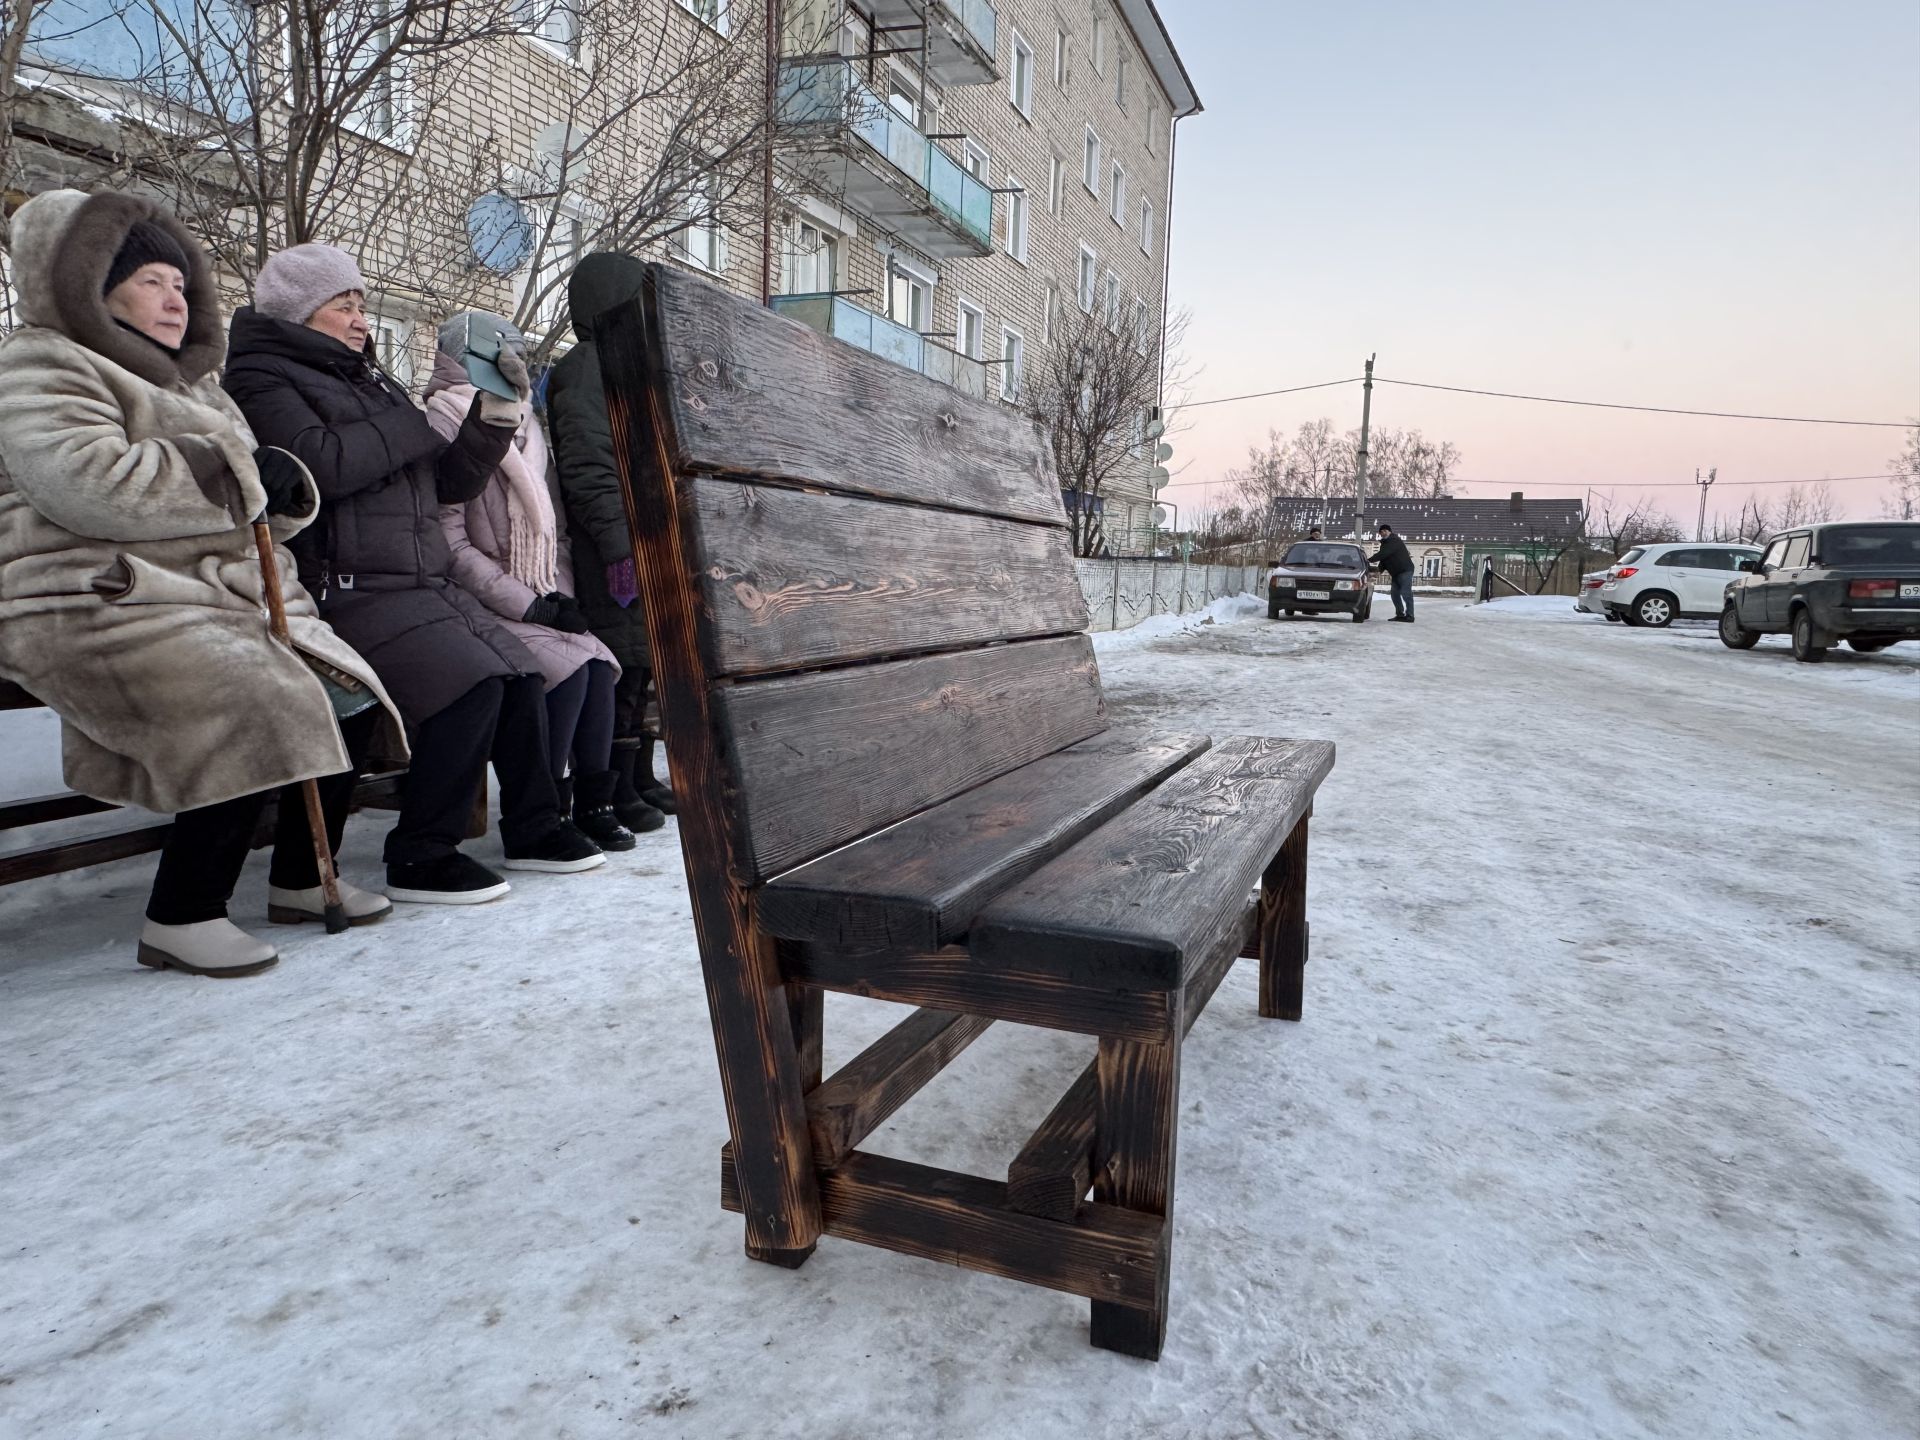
963, 36
852, 146
832, 315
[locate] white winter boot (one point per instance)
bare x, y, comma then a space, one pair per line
218, 948
291, 907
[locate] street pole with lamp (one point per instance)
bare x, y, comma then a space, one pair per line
1700, 529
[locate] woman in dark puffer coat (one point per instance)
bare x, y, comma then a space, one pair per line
301, 368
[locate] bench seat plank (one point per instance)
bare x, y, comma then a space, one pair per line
917, 885
796, 580
820, 759
1134, 901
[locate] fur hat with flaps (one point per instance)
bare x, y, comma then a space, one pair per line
65, 245
64, 248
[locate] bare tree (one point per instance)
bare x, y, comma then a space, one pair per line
1618, 525
1091, 393
1903, 492
371, 124
1807, 505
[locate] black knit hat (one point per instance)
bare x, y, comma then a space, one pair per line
146, 244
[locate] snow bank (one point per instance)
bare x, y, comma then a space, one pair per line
1223, 611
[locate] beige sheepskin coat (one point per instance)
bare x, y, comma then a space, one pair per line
131, 599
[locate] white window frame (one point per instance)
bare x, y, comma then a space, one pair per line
1117, 201
1120, 78
1092, 155
393, 91
1013, 356
1153, 123
1087, 280
973, 152
1016, 209
572, 49
716, 15
791, 255
1056, 183
1062, 57
963, 308
703, 246
1099, 46
550, 310
1140, 323
1022, 103
1049, 308
913, 277
1146, 226
1110, 301
393, 343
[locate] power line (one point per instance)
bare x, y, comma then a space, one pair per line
1551, 400
1654, 409
1688, 484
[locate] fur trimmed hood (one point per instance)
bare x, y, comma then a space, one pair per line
63, 245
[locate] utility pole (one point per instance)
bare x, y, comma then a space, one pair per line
1700, 529
1360, 470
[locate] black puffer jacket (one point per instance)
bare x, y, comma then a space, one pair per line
1392, 556
583, 455
376, 559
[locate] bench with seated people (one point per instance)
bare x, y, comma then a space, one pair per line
897, 779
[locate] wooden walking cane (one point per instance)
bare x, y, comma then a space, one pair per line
336, 913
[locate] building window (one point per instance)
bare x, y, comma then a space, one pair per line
971, 330
904, 96
976, 161
1430, 564
559, 244
553, 26
1140, 331
1060, 56
711, 13
1020, 78
1016, 220
1013, 354
1120, 79
909, 297
1117, 200
1056, 183
392, 342
1088, 263
383, 111
1153, 124
1090, 163
1146, 226
1049, 305
702, 241
809, 261
1099, 45
1111, 310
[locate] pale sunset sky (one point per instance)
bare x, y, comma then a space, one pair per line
1701, 204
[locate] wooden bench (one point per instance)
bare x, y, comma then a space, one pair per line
897, 780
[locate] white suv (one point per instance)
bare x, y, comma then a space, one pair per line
1664, 583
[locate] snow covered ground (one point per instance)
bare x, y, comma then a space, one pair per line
1601, 1121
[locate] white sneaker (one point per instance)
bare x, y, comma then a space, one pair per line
218, 948
292, 907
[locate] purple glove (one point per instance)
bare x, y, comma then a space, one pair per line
623, 585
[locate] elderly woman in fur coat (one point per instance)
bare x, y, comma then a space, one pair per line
509, 548
303, 372
131, 594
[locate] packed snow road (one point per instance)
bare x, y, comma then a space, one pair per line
1600, 1123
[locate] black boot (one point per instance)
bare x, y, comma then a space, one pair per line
651, 790
593, 812
632, 809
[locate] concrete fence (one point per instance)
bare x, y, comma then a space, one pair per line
1125, 592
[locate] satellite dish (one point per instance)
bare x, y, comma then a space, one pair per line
1159, 514
1162, 453
499, 232
1159, 477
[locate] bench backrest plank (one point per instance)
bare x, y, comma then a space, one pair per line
795, 579
884, 611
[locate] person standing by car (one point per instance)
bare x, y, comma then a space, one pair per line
1393, 558
303, 372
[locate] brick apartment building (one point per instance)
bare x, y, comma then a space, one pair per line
951, 175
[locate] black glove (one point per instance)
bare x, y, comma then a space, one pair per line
284, 479
557, 612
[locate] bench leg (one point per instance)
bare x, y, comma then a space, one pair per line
1133, 1167
1283, 928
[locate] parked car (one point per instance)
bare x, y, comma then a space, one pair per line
1591, 584
1826, 583
1321, 577
1672, 582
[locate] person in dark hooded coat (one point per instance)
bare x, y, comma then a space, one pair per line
302, 370
597, 518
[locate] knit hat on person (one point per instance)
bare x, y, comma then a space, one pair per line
298, 281
146, 244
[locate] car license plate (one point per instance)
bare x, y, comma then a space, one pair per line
1316, 595
1910, 592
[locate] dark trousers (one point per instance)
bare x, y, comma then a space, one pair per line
500, 719
1273, 604
1403, 593
630, 719
580, 717
200, 863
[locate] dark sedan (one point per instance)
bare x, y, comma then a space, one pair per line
1859, 583
1320, 577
